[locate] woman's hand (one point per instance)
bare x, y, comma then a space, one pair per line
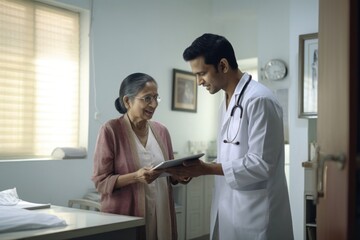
143, 175
147, 175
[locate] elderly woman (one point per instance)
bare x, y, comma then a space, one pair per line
126, 149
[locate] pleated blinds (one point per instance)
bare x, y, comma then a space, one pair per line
39, 79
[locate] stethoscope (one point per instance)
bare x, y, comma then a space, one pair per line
235, 107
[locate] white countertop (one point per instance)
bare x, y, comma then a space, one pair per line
80, 223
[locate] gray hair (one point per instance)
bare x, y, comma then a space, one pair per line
130, 87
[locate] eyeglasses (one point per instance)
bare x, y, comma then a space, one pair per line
148, 99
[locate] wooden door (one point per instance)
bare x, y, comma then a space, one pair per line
337, 118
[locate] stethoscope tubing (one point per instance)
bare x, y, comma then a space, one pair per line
237, 105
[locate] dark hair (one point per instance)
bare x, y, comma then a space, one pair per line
130, 87
213, 48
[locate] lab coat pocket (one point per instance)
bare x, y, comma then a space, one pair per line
252, 210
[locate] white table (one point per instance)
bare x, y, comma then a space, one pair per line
82, 224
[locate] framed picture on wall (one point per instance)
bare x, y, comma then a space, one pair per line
184, 95
308, 75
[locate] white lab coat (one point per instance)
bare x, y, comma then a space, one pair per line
251, 200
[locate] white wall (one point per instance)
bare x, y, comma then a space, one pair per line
150, 36
128, 36
304, 19
238, 22
132, 36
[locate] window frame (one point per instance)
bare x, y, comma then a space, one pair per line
84, 75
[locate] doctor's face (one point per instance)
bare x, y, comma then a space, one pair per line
206, 75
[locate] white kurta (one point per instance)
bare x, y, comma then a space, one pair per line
157, 215
251, 201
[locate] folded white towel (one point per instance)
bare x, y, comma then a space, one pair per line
16, 219
69, 153
9, 197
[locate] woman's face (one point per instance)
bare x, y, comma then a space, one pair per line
139, 110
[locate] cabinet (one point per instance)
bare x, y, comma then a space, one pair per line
193, 202
309, 205
198, 205
310, 218
179, 192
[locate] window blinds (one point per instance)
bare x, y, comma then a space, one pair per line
39, 79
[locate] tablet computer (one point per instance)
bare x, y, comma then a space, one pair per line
177, 162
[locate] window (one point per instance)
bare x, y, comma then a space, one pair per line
39, 79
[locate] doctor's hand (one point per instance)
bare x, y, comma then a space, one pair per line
180, 179
196, 168
189, 169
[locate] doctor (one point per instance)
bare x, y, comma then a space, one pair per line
250, 200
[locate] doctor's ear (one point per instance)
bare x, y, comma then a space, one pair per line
223, 65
